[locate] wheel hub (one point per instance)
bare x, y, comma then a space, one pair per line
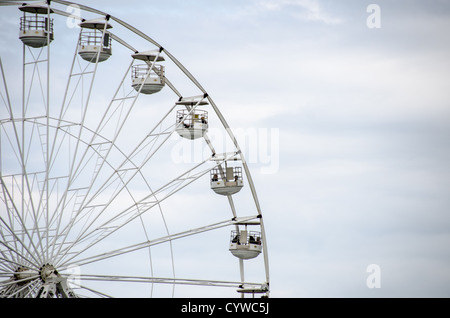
48, 272
54, 285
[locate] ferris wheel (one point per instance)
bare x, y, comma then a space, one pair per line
92, 201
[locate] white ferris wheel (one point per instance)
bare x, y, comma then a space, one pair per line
92, 202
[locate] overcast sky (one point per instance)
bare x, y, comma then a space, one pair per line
352, 109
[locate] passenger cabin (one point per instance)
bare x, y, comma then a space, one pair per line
36, 28
245, 244
226, 181
191, 124
144, 79
95, 42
